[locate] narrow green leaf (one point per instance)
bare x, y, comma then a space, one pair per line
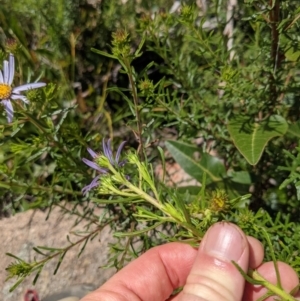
5, 185
17, 129
143, 213
14, 256
138, 52
181, 206
49, 249
135, 233
83, 247
104, 53
17, 284
39, 251
162, 155
37, 275
36, 155
119, 200
61, 257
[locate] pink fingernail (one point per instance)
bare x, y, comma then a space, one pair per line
224, 241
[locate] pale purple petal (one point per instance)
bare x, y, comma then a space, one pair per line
122, 163
92, 185
85, 189
92, 153
119, 151
19, 96
11, 69
94, 165
104, 146
1, 77
27, 87
5, 72
8, 109
107, 151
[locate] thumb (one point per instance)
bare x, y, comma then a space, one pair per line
213, 277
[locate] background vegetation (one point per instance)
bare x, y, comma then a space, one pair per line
215, 83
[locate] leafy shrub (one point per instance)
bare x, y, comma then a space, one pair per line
219, 77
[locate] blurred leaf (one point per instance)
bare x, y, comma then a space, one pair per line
17, 284
61, 257
193, 190
242, 177
104, 53
292, 54
184, 155
135, 233
251, 138
294, 129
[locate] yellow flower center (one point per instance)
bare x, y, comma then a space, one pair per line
5, 91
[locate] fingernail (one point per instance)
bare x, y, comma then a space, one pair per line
224, 241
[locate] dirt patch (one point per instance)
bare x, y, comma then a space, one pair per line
20, 233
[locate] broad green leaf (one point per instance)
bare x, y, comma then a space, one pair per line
251, 137
242, 177
292, 54
184, 154
294, 129
192, 190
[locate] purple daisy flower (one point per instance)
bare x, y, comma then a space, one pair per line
107, 151
109, 154
7, 93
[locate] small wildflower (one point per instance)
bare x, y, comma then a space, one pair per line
187, 14
219, 201
108, 155
120, 37
246, 217
162, 13
11, 45
146, 86
121, 43
19, 268
7, 93
145, 21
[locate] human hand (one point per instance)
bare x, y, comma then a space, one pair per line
206, 273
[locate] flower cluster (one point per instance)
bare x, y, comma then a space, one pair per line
107, 151
7, 92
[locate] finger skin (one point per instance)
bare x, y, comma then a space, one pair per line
159, 271
289, 280
213, 276
153, 276
256, 252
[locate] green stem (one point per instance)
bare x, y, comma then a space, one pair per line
159, 206
271, 287
144, 195
137, 111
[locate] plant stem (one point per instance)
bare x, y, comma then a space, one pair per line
271, 287
137, 111
275, 53
159, 206
144, 195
